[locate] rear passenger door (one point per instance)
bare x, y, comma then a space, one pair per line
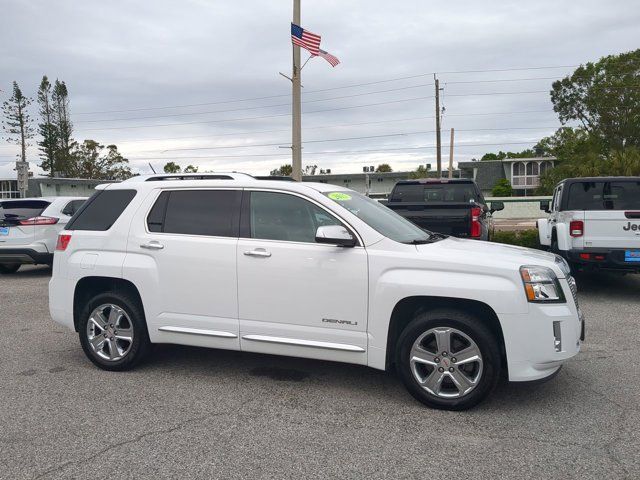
182, 248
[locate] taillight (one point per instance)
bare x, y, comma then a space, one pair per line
576, 228
63, 242
476, 228
39, 221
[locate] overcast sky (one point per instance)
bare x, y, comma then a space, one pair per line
135, 69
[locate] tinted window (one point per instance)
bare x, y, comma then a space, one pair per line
278, 216
197, 212
22, 209
102, 210
604, 196
72, 207
435, 193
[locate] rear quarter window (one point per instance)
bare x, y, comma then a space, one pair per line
101, 211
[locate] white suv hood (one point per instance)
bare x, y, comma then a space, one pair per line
479, 253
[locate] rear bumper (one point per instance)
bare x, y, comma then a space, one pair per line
602, 259
24, 256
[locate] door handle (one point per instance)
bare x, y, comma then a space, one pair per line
258, 252
152, 245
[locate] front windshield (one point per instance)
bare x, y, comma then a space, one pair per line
379, 217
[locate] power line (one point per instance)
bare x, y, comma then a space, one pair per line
254, 108
332, 152
353, 85
365, 137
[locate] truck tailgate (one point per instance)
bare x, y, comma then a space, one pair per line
448, 219
611, 229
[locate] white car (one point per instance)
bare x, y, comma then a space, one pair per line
308, 270
29, 229
594, 223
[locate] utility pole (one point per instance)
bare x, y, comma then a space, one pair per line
451, 155
296, 127
438, 143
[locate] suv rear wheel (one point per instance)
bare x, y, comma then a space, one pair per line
113, 331
6, 268
448, 359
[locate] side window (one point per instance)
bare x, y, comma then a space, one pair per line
101, 211
214, 213
279, 216
72, 207
556, 200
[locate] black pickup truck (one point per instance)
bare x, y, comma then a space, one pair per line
450, 206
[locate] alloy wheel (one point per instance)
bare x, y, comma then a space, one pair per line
446, 362
110, 332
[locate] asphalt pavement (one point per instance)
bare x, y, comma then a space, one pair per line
198, 413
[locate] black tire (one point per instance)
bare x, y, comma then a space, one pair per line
8, 268
140, 345
470, 326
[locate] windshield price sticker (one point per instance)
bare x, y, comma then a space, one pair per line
339, 197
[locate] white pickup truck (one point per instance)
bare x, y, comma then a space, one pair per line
594, 223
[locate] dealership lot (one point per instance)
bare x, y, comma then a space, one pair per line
211, 413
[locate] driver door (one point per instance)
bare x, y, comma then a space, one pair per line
295, 296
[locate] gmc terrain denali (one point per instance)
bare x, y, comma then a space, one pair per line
308, 270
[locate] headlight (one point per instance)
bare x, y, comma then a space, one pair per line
541, 285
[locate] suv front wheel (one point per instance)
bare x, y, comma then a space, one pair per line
448, 359
113, 331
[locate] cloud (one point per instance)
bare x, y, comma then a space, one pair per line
143, 56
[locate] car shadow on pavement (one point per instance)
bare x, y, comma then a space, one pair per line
354, 381
612, 284
30, 271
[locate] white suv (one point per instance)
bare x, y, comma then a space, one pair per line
29, 228
308, 270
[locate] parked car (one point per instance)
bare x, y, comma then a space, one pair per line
308, 270
594, 223
29, 228
449, 206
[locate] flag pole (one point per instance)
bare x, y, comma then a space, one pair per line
296, 125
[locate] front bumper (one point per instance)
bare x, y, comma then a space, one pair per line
602, 259
539, 342
25, 256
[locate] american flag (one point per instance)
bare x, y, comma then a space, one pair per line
328, 57
305, 39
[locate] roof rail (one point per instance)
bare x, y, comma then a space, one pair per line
161, 177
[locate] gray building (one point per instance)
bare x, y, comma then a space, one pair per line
522, 173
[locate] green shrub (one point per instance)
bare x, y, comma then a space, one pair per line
502, 188
523, 238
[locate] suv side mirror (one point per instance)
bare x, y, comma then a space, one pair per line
497, 206
544, 206
335, 235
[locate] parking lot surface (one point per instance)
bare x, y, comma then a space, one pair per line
197, 413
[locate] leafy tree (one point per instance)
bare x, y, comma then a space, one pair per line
502, 188
384, 168
64, 127
17, 122
604, 97
172, 167
420, 172
190, 169
284, 170
47, 128
528, 153
310, 169
89, 160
